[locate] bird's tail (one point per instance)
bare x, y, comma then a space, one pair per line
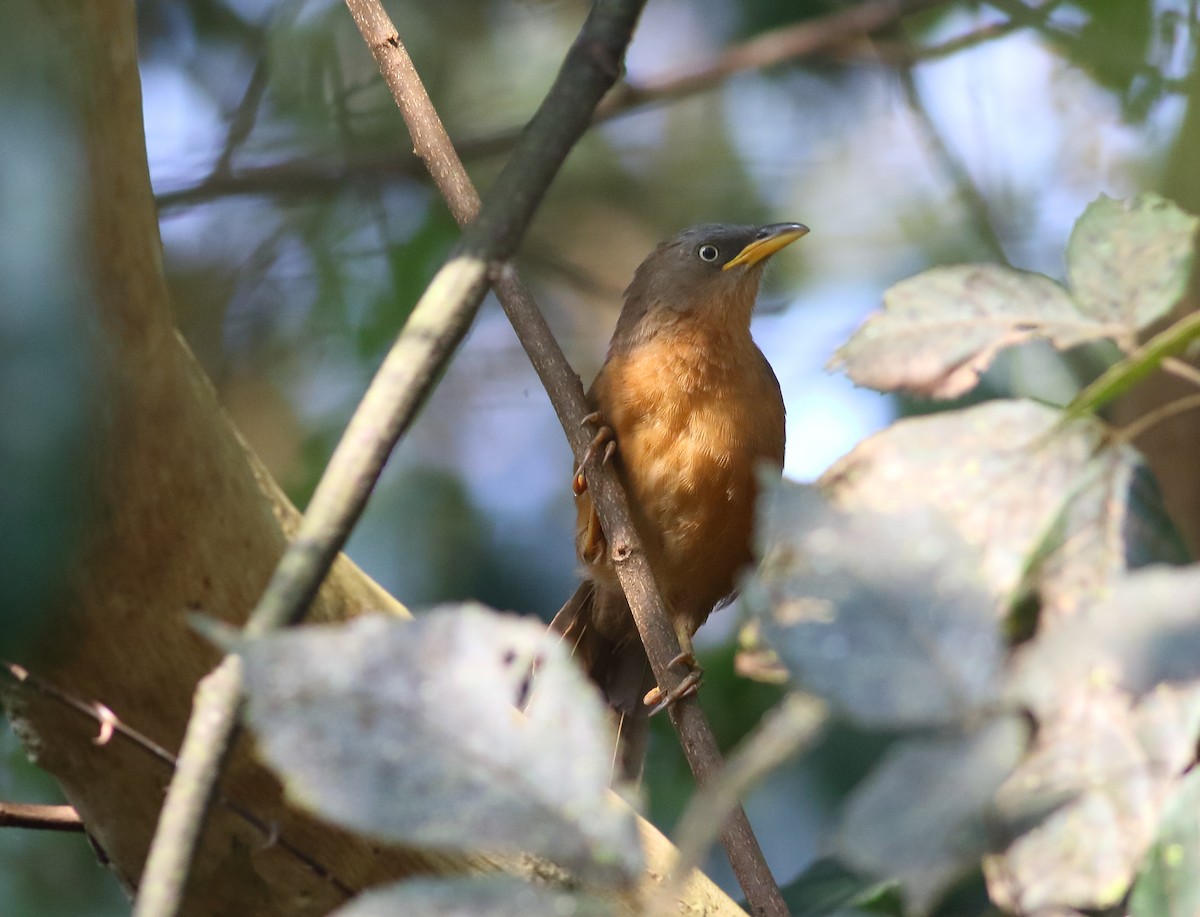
619, 668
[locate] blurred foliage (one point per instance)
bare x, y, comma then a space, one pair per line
46, 338
890, 603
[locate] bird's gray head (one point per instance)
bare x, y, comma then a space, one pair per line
710, 271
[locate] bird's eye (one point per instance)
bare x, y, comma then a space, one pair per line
708, 252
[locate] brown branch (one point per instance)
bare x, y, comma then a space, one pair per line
409, 371
111, 726
788, 43
40, 818
434, 147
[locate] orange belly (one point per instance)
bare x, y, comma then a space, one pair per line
693, 418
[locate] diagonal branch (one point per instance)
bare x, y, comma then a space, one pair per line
40, 817
434, 329
433, 146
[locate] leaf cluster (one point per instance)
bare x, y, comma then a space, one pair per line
999, 591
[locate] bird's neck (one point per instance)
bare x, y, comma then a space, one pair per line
721, 325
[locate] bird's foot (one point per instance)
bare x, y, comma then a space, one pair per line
605, 439
660, 700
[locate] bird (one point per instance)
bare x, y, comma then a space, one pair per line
687, 408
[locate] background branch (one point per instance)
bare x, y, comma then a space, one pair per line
806, 39
112, 726
40, 817
434, 329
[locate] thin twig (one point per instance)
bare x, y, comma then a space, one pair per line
111, 725
1181, 369
969, 195
433, 145
430, 336
807, 39
206, 745
244, 117
1147, 421
786, 731
40, 817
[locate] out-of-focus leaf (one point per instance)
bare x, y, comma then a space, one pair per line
883, 616
1145, 633
1018, 484
409, 731
921, 817
1114, 42
1128, 262
940, 329
1125, 374
1168, 884
1114, 523
475, 896
1083, 806
827, 887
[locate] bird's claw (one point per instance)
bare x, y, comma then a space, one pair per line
659, 700
604, 439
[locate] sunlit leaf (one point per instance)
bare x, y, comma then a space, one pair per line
940, 329
1147, 632
922, 816
1114, 523
493, 896
883, 616
1083, 807
1017, 483
1128, 262
408, 731
1168, 884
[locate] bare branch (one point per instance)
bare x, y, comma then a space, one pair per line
111, 725
437, 324
40, 818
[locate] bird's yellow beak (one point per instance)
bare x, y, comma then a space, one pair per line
767, 242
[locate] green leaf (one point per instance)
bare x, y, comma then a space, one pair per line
883, 616
493, 896
1168, 884
922, 816
408, 731
941, 329
1128, 262
827, 887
